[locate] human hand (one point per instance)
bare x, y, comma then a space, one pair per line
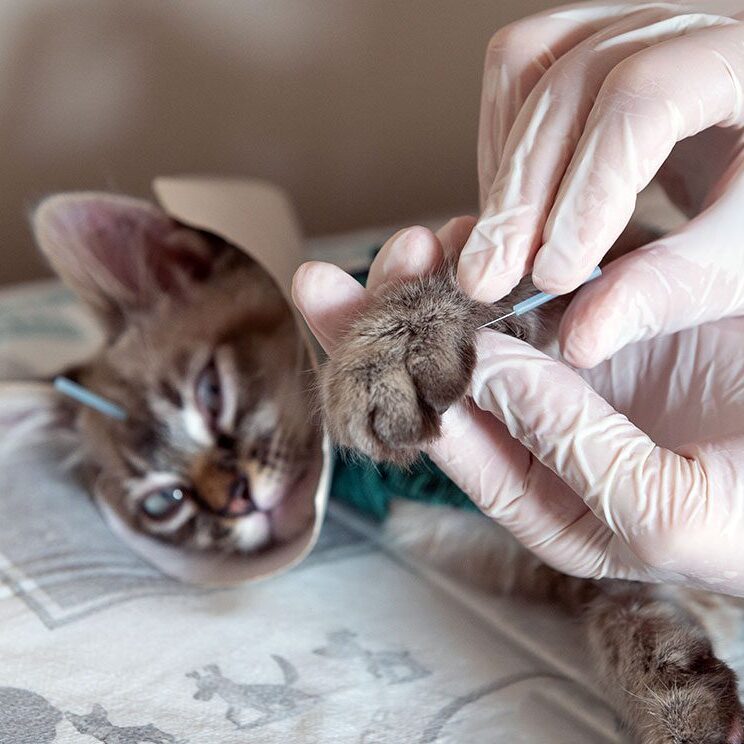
659, 499
581, 107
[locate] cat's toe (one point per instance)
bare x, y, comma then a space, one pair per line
399, 418
378, 413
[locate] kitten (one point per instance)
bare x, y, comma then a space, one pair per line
400, 365
203, 354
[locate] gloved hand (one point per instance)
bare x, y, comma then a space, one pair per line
658, 499
581, 106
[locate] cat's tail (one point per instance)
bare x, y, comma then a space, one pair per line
290, 673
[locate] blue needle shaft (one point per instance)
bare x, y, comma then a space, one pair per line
89, 398
536, 301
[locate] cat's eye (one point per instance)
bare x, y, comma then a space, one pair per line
209, 393
164, 503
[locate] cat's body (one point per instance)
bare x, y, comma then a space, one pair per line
399, 366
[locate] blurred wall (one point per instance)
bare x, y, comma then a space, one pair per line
365, 110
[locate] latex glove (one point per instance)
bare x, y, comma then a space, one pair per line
581, 106
560, 465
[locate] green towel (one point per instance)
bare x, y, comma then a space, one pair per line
370, 488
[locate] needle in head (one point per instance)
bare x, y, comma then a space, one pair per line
88, 398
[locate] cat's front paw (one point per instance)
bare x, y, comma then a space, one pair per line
398, 369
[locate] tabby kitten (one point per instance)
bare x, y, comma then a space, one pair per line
203, 354
400, 365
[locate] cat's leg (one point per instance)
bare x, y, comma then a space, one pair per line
407, 359
469, 546
657, 662
411, 354
398, 367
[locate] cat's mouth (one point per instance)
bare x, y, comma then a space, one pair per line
238, 501
270, 515
227, 488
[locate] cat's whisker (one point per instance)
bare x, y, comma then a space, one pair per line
655, 695
633, 694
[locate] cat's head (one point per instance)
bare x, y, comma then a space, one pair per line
203, 354
207, 683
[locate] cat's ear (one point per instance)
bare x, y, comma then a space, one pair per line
119, 254
99, 711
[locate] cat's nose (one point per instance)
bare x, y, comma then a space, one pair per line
225, 442
239, 497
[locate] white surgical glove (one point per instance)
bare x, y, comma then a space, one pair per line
634, 471
581, 107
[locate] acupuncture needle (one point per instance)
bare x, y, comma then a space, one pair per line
536, 301
88, 398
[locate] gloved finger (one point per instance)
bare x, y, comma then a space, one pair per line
328, 299
542, 144
407, 254
453, 235
647, 104
538, 151
477, 452
673, 283
414, 251
617, 470
517, 57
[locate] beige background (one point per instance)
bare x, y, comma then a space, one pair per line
365, 110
